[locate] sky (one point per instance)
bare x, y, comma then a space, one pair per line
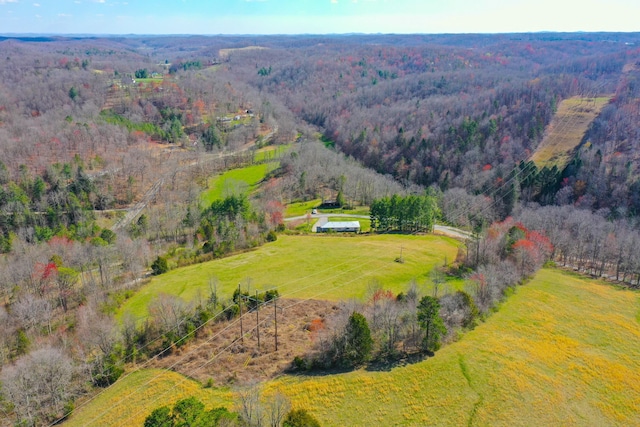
315, 16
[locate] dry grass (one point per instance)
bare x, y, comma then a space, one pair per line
219, 355
563, 350
130, 401
567, 129
224, 53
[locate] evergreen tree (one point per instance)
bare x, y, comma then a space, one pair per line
358, 341
431, 322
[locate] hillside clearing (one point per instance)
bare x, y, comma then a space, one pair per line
567, 129
563, 350
234, 182
332, 267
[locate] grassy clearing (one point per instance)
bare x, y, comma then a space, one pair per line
361, 210
149, 80
271, 152
224, 53
236, 181
561, 351
567, 129
332, 267
301, 208
132, 399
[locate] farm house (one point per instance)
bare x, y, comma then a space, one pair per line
339, 226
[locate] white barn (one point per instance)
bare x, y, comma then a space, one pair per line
339, 226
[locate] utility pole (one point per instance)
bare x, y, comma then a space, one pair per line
275, 317
258, 320
240, 305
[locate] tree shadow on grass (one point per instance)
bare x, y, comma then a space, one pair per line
388, 364
385, 365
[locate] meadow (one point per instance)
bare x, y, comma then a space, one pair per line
303, 208
126, 403
562, 350
236, 181
565, 133
332, 267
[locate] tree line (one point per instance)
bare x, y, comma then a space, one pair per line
409, 214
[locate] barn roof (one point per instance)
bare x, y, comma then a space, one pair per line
341, 224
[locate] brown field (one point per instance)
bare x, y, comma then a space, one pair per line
218, 353
567, 129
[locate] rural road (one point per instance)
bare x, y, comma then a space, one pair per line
323, 218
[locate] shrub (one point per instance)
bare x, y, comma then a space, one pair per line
272, 236
159, 266
300, 418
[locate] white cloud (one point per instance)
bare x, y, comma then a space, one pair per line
64, 15
36, 4
8, 1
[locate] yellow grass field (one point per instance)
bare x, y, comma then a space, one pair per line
561, 351
567, 129
129, 402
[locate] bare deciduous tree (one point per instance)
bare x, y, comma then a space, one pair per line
39, 385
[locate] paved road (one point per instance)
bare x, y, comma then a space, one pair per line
324, 218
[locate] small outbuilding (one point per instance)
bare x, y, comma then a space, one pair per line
339, 227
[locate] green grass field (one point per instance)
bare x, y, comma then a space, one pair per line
562, 350
303, 208
320, 266
243, 180
271, 152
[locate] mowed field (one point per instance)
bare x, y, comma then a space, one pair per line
332, 267
234, 182
563, 350
567, 129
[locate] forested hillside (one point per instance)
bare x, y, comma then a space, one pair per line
464, 112
108, 144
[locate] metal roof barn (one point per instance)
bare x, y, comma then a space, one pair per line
339, 226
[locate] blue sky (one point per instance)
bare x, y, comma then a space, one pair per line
315, 16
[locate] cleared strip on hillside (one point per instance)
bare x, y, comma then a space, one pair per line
224, 53
563, 350
567, 129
